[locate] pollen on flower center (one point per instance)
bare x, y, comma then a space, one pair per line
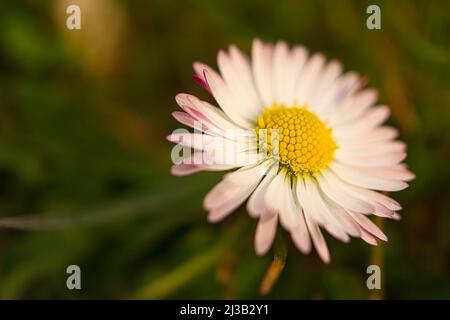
305, 144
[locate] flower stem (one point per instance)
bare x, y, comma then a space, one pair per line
276, 267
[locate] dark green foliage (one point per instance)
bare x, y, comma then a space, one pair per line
85, 165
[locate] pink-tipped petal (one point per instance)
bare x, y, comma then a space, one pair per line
265, 234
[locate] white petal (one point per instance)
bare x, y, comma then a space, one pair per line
382, 211
205, 112
281, 71
237, 76
220, 193
396, 216
359, 178
330, 74
379, 134
294, 65
187, 169
348, 224
369, 121
337, 96
265, 234
242, 62
368, 196
218, 150
226, 100
355, 107
308, 78
275, 201
372, 149
194, 140
388, 159
228, 195
184, 118
231, 199
340, 196
262, 71
395, 172
317, 239
315, 203
255, 205
368, 225
197, 122
200, 68
300, 235
305, 202
291, 212
368, 237
249, 173
274, 194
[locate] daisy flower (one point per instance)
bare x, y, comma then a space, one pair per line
315, 155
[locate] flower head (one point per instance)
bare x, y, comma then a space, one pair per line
307, 142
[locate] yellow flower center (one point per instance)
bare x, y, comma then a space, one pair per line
305, 144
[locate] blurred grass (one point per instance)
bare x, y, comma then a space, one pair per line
83, 159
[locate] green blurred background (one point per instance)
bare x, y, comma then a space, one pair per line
84, 164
